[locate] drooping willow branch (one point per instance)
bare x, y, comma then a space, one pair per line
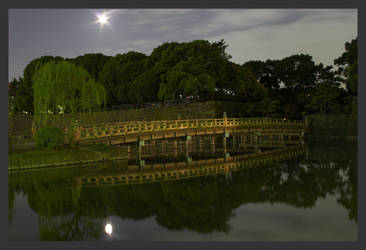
62, 84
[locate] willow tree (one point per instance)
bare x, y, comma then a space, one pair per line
62, 84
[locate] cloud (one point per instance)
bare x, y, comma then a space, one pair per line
250, 33
258, 33
323, 39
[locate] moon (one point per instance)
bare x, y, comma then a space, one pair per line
102, 19
108, 229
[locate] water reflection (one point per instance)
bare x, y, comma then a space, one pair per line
69, 207
108, 229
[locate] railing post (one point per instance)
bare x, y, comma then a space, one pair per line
225, 119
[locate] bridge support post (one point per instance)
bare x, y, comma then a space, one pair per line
301, 137
139, 153
163, 151
188, 139
224, 142
213, 144
152, 145
259, 139
141, 143
243, 142
225, 119
175, 147
272, 140
283, 140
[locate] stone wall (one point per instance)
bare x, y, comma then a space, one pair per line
332, 126
23, 123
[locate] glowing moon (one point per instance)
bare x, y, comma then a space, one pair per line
102, 19
108, 229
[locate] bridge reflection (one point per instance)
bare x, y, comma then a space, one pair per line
70, 207
156, 172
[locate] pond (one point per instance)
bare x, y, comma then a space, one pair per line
166, 193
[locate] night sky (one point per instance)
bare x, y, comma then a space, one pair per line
252, 34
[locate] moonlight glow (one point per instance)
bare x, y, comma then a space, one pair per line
108, 229
102, 19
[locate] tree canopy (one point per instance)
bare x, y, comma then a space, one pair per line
24, 93
118, 74
347, 65
64, 85
202, 70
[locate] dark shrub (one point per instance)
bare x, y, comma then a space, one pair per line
50, 137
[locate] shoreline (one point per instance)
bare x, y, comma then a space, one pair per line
36, 158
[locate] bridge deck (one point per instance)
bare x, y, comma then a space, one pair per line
124, 132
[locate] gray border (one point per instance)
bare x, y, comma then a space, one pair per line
181, 4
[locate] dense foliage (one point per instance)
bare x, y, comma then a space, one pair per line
62, 86
201, 70
49, 137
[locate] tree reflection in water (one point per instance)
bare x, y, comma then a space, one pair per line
69, 212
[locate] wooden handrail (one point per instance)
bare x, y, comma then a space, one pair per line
124, 128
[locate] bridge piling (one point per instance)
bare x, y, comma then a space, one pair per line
213, 144
224, 144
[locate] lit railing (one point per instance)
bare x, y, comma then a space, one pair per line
126, 128
183, 170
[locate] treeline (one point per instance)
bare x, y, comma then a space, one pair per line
200, 70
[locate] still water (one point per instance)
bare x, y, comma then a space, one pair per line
306, 192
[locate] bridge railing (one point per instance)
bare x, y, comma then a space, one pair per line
125, 128
183, 170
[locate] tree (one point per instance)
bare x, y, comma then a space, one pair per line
24, 94
193, 68
297, 71
270, 107
347, 66
118, 74
190, 78
266, 73
13, 87
145, 87
62, 84
93, 63
324, 99
347, 70
242, 84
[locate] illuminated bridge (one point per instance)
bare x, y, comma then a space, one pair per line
128, 132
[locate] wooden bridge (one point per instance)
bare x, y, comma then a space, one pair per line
188, 169
127, 132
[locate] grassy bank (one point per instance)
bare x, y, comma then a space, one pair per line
41, 157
